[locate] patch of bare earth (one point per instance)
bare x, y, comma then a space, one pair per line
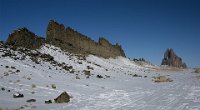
198, 77
196, 70
162, 79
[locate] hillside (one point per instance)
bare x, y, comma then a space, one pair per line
92, 82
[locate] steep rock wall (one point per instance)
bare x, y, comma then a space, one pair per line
24, 38
73, 41
171, 59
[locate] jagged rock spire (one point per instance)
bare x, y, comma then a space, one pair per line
171, 59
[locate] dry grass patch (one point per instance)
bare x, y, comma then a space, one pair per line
196, 70
198, 77
33, 86
162, 79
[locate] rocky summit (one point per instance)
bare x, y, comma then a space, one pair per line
22, 37
171, 59
67, 39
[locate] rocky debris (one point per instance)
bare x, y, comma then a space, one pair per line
18, 95
90, 68
35, 56
3, 89
24, 38
31, 100
136, 75
48, 101
171, 59
46, 57
198, 77
87, 73
99, 76
53, 86
62, 98
67, 68
107, 76
77, 77
162, 79
196, 70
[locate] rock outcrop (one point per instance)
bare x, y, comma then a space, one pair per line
67, 39
62, 98
73, 41
171, 59
24, 38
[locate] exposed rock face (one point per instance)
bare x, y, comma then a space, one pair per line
67, 39
24, 38
62, 98
73, 41
171, 59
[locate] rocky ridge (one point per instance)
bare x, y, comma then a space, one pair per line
67, 39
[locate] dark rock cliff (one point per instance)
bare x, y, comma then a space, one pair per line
24, 38
73, 41
67, 39
171, 59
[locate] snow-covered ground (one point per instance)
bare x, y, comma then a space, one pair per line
117, 90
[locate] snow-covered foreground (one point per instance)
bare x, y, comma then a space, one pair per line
117, 90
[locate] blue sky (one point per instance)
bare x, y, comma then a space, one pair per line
144, 28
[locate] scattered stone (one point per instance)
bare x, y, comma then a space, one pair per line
135, 75
62, 98
33, 86
198, 77
90, 68
17, 71
6, 74
107, 76
99, 76
18, 95
13, 67
7, 66
3, 89
196, 70
71, 71
77, 77
53, 86
87, 73
80, 63
48, 101
31, 100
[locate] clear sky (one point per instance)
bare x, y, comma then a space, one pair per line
144, 28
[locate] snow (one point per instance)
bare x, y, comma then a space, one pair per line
121, 91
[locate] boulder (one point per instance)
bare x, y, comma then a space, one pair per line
18, 95
31, 100
171, 59
62, 98
48, 101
